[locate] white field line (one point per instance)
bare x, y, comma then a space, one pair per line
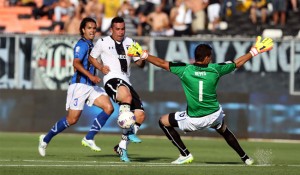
44, 163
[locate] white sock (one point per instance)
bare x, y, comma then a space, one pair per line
123, 144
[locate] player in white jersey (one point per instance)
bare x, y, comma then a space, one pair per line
113, 52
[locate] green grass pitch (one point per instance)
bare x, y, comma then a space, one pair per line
65, 156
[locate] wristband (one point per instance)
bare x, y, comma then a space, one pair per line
254, 51
144, 55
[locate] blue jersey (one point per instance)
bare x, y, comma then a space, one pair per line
82, 50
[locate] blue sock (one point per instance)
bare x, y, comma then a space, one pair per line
99, 122
59, 126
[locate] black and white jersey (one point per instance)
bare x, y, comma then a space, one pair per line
114, 54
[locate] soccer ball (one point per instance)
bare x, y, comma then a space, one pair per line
126, 119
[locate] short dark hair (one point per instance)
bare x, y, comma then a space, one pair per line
83, 24
202, 51
117, 19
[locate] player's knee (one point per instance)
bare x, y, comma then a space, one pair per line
140, 116
108, 108
72, 121
222, 129
124, 95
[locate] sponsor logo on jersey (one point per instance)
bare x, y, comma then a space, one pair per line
122, 57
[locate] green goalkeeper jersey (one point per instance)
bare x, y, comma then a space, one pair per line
199, 82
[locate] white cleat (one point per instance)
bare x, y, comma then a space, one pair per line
249, 161
91, 144
42, 146
183, 159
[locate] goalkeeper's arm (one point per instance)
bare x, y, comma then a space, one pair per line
259, 47
159, 62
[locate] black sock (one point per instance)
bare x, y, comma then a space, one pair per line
173, 135
233, 143
245, 157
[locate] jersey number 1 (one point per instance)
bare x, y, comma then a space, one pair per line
200, 90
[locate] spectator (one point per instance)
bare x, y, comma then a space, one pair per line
159, 22
259, 8
73, 24
94, 10
181, 18
295, 5
228, 4
26, 3
63, 7
279, 11
213, 12
133, 26
148, 6
109, 10
47, 9
198, 8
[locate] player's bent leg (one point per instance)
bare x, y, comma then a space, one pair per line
234, 144
91, 144
184, 159
42, 145
140, 117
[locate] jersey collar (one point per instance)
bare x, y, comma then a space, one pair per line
200, 65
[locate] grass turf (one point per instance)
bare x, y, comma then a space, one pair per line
65, 155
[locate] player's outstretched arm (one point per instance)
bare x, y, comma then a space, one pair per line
159, 62
259, 47
136, 50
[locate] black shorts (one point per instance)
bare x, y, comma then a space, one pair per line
111, 89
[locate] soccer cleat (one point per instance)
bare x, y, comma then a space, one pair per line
134, 138
183, 159
249, 161
122, 153
91, 144
42, 145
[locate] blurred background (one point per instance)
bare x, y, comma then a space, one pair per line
260, 100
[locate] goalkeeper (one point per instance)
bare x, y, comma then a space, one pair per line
199, 81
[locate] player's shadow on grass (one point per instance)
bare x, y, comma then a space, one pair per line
221, 163
133, 157
149, 159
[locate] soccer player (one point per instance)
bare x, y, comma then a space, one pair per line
113, 52
199, 81
82, 90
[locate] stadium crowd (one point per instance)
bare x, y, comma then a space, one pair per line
160, 17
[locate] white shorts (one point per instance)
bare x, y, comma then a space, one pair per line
213, 11
187, 123
79, 94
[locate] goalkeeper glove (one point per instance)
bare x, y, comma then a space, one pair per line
261, 46
135, 50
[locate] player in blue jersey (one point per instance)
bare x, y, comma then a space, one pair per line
199, 82
82, 90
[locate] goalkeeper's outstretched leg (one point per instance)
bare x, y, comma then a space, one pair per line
234, 144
